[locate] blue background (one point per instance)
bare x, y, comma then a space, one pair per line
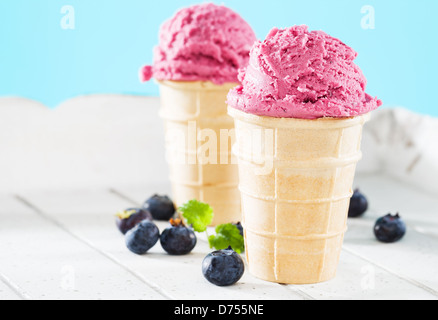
112, 39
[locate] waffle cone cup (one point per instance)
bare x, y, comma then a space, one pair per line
199, 137
296, 179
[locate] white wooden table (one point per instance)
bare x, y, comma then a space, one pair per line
63, 182
64, 245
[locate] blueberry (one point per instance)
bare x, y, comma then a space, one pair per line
128, 219
390, 228
142, 237
178, 240
161, 207
358, 205
223, 268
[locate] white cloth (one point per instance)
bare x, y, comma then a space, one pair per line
109, 140
403, 145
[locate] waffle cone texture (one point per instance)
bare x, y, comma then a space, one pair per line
296, 184
196, 112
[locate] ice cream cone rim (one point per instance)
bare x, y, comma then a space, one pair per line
313, 201
320, 123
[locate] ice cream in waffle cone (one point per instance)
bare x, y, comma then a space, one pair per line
190, 109
295, 216
196, 63
298, 116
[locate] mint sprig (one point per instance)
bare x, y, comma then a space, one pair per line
197, 214
200, 215
227, 235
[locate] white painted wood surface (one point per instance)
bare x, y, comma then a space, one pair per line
63, 244
63, 181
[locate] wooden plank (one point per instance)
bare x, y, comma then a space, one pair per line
358, 279
419, 209
364, 272
48, 263
7, 290
137, 195
415, 257
90, 215
349, 283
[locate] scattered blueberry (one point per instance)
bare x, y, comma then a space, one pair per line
161, 207
128, 219
142, 237
178, 240
223, 268
390, 228
358, 205
240, 227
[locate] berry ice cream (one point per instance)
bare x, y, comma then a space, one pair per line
204, 42
295, 73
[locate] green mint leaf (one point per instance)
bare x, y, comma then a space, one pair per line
227, 235
197, 214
